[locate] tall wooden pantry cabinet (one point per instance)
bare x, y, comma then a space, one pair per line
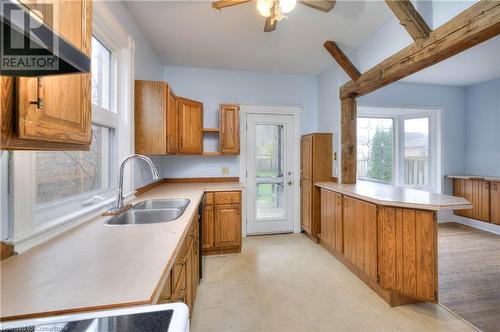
315, 165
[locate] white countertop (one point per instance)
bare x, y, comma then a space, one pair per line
388, 195
96, 266
474, 177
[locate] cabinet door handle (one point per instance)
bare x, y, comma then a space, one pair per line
39, 94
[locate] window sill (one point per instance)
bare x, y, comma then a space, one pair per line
60, 225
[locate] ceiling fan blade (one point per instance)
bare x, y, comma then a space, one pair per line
271, 21
270, 24
323, 5
228, 3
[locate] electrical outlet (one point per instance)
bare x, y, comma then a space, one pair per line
225, 170
336, 171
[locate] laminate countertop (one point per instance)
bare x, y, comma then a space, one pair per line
388, 195
96, 266
474, 177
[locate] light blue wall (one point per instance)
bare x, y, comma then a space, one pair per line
147, 64
483, 129
212, 87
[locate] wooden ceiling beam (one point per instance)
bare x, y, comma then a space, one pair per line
342, 59
410, 19
473, 26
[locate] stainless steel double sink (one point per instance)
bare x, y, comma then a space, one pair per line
151, 212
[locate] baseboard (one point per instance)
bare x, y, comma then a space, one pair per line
210, 252
482, 225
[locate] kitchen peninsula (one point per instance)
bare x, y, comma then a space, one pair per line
386, 235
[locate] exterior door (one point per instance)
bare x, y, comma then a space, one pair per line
270, 160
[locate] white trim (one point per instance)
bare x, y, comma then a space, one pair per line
399, 114
271, 109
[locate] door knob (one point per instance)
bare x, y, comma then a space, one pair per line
289, 182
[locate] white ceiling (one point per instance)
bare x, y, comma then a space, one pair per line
192, 33
478, 64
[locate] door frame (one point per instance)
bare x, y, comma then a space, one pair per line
292, 110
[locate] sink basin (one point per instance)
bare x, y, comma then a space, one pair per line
158, 204
139, 217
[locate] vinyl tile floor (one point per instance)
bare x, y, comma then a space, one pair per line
289, 283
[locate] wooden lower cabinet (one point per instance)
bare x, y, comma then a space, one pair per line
182, 280
222, 223
360, 234
393, 250
495, 202
476, 191
331, 221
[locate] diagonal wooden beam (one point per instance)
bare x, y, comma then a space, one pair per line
473, 26
410, 19
227, 3
342, 59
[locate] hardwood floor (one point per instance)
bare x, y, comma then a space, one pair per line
469, 274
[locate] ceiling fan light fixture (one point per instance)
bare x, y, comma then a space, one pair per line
264, 7
287, 6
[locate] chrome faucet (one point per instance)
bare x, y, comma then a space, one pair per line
119, 197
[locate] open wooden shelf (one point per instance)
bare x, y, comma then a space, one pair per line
211, 130
213, 153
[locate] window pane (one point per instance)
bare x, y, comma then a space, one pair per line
101, 74
417, 152
61, 175
375, 149
269, 172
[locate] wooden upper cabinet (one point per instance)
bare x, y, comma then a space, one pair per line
58, 108
53, 112
407, 254
150, 117
495, 202
190, 126
172, 122
306, 157
229, 129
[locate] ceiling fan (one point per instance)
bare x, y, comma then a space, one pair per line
275, 10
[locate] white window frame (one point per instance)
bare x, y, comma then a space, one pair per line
399, 114
27, 231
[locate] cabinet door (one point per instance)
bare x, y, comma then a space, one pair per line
189, 279
172, 122
495, 202
407, 252
227, 225
360, 235
190, 126
208, 240
63, 111
460, 190
230, 129
337, 222
306, 157
305, 205
166, 293
481, 200
150, 117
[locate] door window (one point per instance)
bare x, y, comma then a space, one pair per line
269, 171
